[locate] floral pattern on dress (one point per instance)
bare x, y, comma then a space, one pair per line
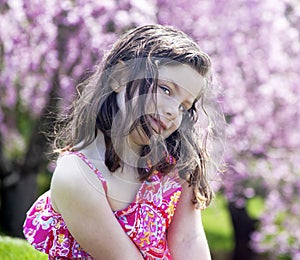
145, 221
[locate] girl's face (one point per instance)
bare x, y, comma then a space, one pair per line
178, 87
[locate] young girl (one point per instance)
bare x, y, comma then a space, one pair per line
131, 177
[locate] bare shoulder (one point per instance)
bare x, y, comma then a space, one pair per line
71, 176
86, 211
70, 169
66, 168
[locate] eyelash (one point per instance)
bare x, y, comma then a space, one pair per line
167, 91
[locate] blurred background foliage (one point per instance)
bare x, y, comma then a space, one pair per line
46, 47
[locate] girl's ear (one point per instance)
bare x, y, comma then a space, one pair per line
118, 77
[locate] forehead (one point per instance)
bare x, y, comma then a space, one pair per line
183, 76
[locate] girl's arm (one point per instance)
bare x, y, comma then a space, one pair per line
80, 199
186, 236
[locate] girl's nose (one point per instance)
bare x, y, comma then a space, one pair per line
170, 109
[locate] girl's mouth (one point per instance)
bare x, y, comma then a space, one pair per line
158, 123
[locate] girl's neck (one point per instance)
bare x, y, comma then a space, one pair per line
100, 145
130, 155
128, 167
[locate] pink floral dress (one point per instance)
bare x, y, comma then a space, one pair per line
145, 221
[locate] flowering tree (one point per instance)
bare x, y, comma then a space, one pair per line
256, 47
256, 51
45, 48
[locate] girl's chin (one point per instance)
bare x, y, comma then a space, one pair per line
141, 139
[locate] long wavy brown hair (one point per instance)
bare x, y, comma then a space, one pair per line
133, 63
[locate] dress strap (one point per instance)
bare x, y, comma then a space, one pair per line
95, 170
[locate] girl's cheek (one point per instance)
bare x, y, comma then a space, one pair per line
150, 106
178, 122
121, 100
163, 100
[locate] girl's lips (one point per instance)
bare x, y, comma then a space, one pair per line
159, 123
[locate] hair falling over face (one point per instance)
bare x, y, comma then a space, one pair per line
133, 63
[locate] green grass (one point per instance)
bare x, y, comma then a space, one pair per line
18, 249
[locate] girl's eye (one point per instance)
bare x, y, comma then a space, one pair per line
165, 90
182, 108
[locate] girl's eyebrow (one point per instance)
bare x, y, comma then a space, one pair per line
177, 89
